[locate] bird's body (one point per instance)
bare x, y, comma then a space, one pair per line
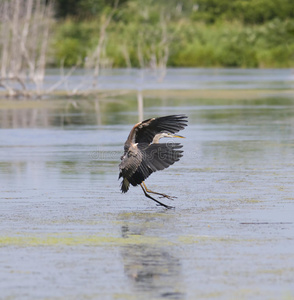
143, 154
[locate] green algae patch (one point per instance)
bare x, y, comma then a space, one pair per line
144, 215
27, 240
195, 239
192, 239
218, 94
125, 296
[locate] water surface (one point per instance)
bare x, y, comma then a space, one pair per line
68, 233
173, 79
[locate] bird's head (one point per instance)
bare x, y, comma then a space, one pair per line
171, 135
165, 134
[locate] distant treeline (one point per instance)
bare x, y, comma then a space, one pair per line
176, 33
209, 11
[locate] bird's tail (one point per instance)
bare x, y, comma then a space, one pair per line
125, 184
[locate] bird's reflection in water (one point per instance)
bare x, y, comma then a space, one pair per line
154, 272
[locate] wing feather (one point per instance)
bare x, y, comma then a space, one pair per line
155, 157
146, 130
160, 156
142, 157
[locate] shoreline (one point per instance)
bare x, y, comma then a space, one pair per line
121, 95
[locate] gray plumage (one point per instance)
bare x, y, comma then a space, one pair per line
144, 154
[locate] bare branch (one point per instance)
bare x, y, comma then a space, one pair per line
4, 38
24, 38
126, 55
63, 80
95, 58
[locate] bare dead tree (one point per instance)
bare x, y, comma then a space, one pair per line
164, 47
95, 58
25, 28
140, 54
155, 40
125, 52
153, 44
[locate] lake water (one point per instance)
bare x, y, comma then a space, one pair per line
68, 233
180, 79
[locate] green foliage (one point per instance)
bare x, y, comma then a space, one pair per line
68, 52
209, 33
72, 41
84, 9
247, 11
65, 8
277, 57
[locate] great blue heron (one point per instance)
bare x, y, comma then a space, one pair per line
143, 154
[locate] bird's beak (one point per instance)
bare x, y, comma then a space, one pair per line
178, 136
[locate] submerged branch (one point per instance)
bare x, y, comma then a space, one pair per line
62, 80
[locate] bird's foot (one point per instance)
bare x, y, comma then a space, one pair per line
166, 206
168, 197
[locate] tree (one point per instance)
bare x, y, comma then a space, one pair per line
25, 28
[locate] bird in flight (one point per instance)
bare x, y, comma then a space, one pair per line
143, 154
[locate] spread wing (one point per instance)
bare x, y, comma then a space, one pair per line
146, 130
150, 158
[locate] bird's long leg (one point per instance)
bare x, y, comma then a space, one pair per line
158, 202
162, 195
